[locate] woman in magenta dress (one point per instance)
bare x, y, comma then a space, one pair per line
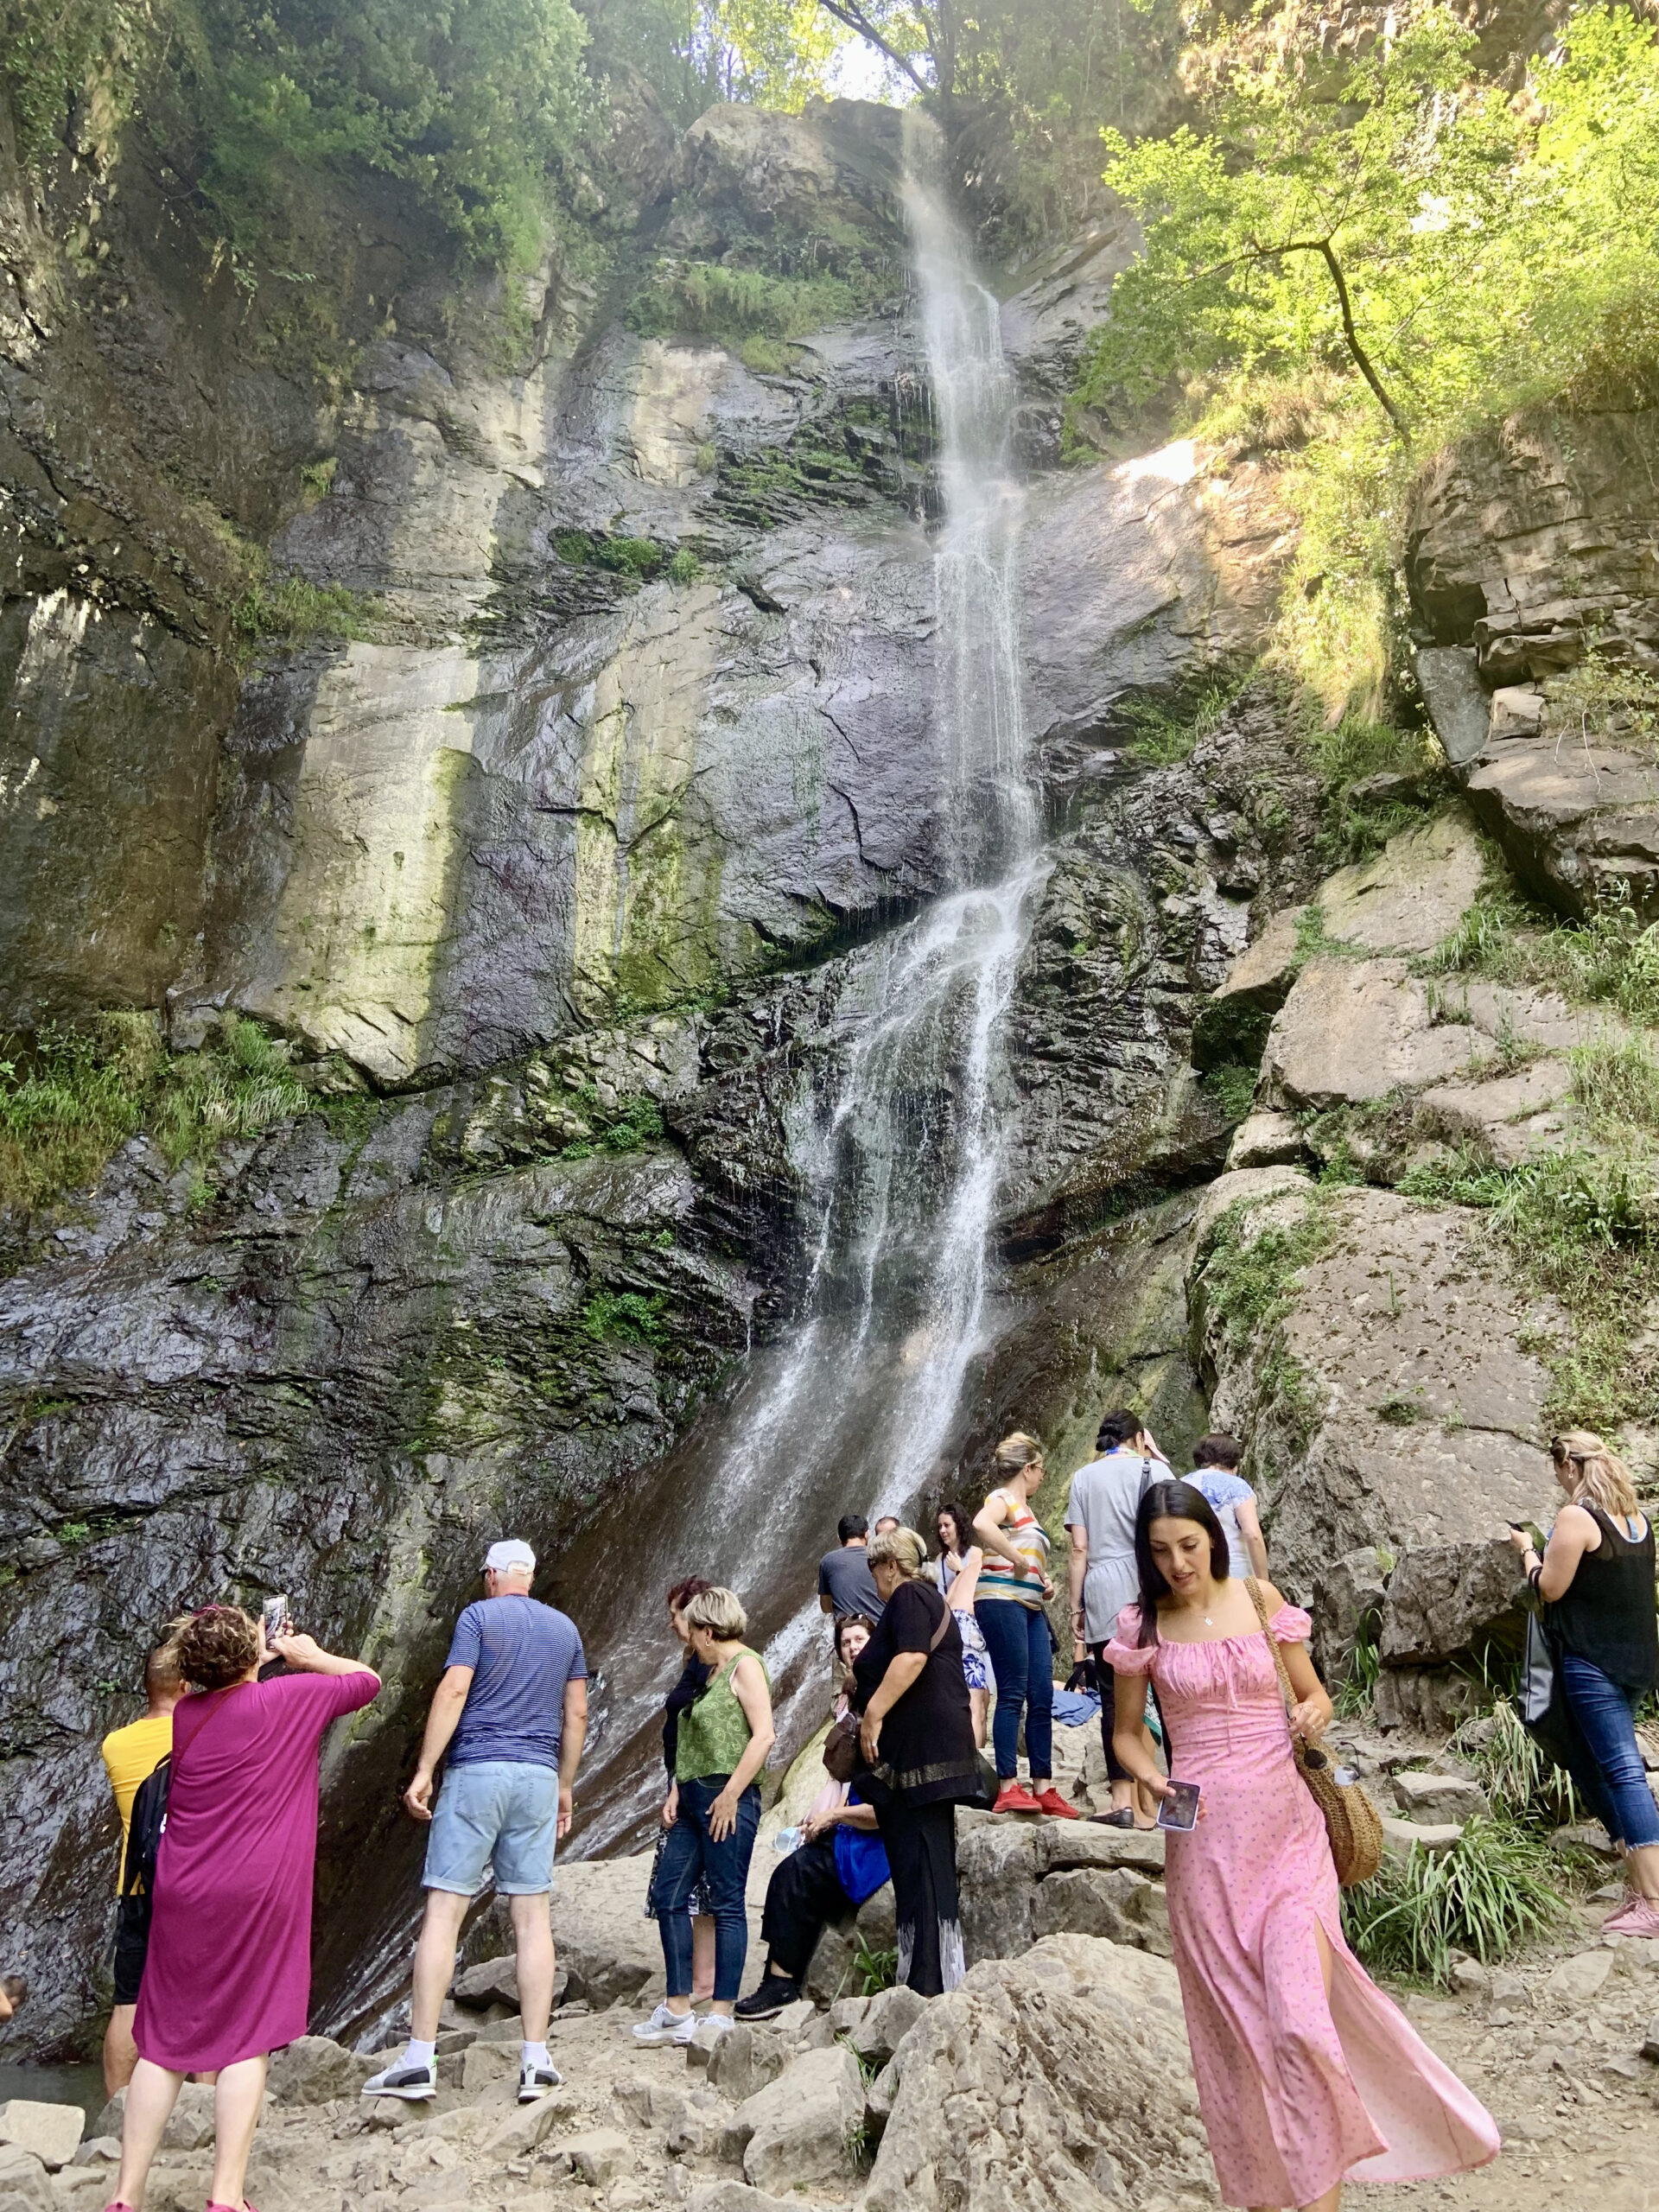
227, 1977
1307, 2075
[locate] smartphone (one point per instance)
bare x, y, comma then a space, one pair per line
275, 1619
1180, 1808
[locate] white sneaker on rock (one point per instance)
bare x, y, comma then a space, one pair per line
402, 2079
664, 2026
535, 2082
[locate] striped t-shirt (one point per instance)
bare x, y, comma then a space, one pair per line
1025, 1532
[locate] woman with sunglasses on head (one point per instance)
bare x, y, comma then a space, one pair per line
1596, 1579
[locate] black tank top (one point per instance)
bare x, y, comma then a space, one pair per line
1607, 1614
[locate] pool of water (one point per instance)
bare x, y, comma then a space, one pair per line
54, 2085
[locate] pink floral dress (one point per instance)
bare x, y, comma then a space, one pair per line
1299, 2091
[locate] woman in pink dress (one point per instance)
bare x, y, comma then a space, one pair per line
227, 1977
1307, 2075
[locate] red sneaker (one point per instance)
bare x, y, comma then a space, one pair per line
1062, 1808
1015, 1797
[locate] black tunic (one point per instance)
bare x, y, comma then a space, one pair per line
927, 1751
1606, 1614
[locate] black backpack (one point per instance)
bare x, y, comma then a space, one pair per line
145, 1828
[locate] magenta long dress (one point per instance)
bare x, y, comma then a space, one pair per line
228, 1973
1298, 2091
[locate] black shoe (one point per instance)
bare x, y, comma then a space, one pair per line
769, 2000
1121, 1816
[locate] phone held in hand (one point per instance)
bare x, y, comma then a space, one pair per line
275, 1619
1179, 1808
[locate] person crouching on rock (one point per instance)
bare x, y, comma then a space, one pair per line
512, 1714
724, 1737
915, 1737
227, 1975
840, 1861
1307, 2075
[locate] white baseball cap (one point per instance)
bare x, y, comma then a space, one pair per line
512, 1552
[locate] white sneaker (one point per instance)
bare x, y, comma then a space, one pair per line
535, 2082
402, 2080
721, 2023
664, 2026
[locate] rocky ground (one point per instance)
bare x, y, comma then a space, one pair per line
1057, 2076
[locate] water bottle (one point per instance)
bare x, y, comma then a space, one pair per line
787, 1839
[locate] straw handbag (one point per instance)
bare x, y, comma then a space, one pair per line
1352, 1820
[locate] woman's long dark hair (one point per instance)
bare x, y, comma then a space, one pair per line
1172, 1502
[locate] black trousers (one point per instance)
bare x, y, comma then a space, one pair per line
1106, 1683
803, 1895
921, 1844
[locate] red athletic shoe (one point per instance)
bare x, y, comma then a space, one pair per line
1062, 1808
1015, 1797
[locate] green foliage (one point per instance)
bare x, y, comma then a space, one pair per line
1520, 1782
1610, 959
1359, 1684
1412, 254
777, 53
1162, 739
79, 1094
684, 568
874, 1971
1233, 1089
1579, 1225
629, 1317
1616, 1082
295, 611
1250, 1288
1491, 1891
738, 306
637, 1121
1606, 702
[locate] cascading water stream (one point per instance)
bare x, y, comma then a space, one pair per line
896, 1137
899, 1155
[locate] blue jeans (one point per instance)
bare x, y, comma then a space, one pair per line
1615, 1782
1022, 1659
690, 1852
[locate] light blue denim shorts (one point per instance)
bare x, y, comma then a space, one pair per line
494, 1812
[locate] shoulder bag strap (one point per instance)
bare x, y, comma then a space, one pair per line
1283, 1672
944, 1623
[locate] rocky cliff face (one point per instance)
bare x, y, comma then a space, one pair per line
557, 808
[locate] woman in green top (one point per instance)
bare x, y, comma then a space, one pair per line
725, 1735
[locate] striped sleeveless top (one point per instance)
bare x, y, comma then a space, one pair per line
1025, 1532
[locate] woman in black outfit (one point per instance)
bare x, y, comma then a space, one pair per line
689, 1686
1597, 1579
917, 1740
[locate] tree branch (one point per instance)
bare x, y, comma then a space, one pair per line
1362, 359
857, 21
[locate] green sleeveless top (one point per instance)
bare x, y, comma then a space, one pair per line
715, 1731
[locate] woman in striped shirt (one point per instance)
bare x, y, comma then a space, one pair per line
1013, 1585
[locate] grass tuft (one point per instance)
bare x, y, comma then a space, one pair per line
1491, 1891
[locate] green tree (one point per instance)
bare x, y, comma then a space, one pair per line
1445, 244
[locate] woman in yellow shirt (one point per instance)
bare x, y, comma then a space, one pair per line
131, 1755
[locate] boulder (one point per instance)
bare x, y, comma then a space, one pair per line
492, 1982
738, 2196
744, 2060
1232, 1023
1410, 895
875, 1924
597, 2157
1266, 1141
1004, 2105
801, 2128
24, 2181
50, 2132
530, 2125
1397, 1407
1063, 1844
830, 1973
313, 2069
1434, 1797
996, 1875
1349, 1597
1352, 1031
887, 2021
1115, 1903
1401, 1838
190, 2128
1456, 699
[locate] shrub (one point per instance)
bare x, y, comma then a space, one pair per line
1489, 1892
626, 1316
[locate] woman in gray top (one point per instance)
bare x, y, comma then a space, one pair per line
1100, 1515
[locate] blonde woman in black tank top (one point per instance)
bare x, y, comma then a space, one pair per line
1596, 1580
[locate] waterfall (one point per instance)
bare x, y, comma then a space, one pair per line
896, 1135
